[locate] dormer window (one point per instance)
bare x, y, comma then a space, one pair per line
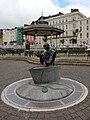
74, 18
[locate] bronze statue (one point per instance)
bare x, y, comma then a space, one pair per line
48, 56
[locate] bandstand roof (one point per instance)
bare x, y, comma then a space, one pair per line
42, 28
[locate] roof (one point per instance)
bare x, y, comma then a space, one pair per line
41, 28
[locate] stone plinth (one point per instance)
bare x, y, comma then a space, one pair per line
45, 75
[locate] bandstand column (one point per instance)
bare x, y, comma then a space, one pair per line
51, 39
35, 38
56, 41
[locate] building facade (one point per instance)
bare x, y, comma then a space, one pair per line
12, 36
19, 36
76, 27
1, 36
9, 36
6, 36
13, 39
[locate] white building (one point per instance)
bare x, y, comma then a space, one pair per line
6, 36
76, 27
13, 36
9, 36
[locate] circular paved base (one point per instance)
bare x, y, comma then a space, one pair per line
44, 92
10, 96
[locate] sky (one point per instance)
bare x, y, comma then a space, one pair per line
16, 13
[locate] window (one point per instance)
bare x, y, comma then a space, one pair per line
59, 21
87, 35
66, 26
73, 18
80, 28
66, 19
63, 21
87, 28
87, 22
80, 22
80, 35
53, 22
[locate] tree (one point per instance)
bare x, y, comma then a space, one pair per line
5, 43
84, 43
62, 41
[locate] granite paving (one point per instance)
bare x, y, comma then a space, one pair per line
11, 71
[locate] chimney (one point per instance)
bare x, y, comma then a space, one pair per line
74, 10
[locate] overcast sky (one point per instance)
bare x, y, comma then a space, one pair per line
14, 13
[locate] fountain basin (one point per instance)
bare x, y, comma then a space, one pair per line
45, 75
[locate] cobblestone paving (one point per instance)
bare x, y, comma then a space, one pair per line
11, 71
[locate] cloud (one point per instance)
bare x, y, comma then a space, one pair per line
82, 5
15, 13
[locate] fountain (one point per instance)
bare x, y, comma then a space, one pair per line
46, 86
46, 90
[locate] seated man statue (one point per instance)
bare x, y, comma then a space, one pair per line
48, 56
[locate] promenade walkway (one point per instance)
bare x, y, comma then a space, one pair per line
62, 60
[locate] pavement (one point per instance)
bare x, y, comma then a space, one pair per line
61, 60
11, 71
